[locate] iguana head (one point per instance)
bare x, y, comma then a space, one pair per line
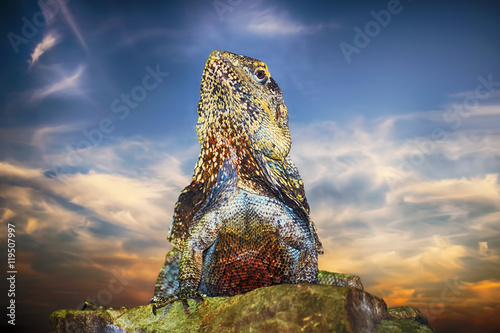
240, 98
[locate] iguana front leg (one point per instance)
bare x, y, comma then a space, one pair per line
190, 267
295, 233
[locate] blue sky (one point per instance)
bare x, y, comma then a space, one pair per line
397, 142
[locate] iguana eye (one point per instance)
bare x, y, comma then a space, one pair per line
261, 75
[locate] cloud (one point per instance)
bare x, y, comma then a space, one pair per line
45, 137
85, 226
110, 192
267, 22
72, 24
404, 239
443, 258
487, 110
90, 226
131, 39
275, 22
481, 92
12, 171
49, 41
483, 189
67, 83
486, 290
133, 203
432, 239
483, 248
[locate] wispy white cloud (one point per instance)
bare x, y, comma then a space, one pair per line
483, 188
136, 201
9, 170
408, 241
77, 241
42, 136
75, 212
482, 92
129, 202
487, 110
423, 227
275, 22
135, 37
67, 83
49, 40
72, 24
114, 217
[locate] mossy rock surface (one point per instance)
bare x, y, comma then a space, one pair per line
281, 308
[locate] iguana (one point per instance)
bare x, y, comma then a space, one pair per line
243, 222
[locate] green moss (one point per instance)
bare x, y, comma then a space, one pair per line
402, 326
282, 308
79, 321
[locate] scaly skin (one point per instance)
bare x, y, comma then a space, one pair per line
243, 222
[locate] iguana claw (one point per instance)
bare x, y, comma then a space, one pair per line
160, 301
184, 295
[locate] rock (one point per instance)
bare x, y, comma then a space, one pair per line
339, 279
281, 308
408, 312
